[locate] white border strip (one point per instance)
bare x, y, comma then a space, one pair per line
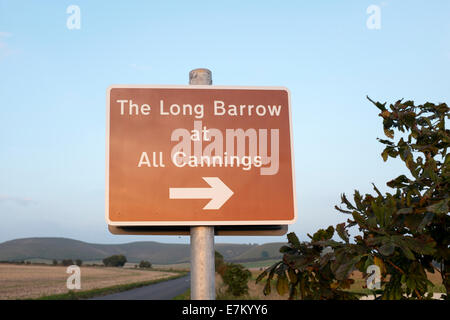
195, 223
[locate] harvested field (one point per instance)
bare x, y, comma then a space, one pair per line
31, 281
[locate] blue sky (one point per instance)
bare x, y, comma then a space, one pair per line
54, 80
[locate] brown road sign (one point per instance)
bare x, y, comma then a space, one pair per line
199, 155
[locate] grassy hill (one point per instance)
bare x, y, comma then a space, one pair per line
156, 252
262, 252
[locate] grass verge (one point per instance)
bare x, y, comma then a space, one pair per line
184, 296
78, 295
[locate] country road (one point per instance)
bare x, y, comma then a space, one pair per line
160, 291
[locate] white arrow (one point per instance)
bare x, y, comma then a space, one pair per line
219, 193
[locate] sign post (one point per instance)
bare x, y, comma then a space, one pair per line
202, 237
199, 160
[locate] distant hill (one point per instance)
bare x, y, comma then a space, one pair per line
261, 252
155, 252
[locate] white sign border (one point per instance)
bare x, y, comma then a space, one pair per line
195, 223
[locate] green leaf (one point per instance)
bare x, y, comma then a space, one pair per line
389, 133
413, 221
426, 221
267, 289
447, 160
340, 228
282, 285
387, 249
375, 241
399, 182
421, 246
292, 276
343, 271
270, 270
381, 106
399, 242
346, 202
325, 258
379, 262
342, 210
440, 207
322, 234
357, 197
376, 190
387, 142
297, 261
293, 239
405, 211
261, 276
359, 219
409, 118
408, 253
385, 154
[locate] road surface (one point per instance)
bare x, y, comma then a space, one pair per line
165, 290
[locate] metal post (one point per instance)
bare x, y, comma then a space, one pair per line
202, 237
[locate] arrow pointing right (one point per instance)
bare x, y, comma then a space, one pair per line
219, 193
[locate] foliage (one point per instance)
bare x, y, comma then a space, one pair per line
144, 264
219, 263
67, 262
236, 278
309, 272
402, 233
79, 262
117, 260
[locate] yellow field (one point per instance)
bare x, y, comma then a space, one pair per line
34, 281
255, 291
